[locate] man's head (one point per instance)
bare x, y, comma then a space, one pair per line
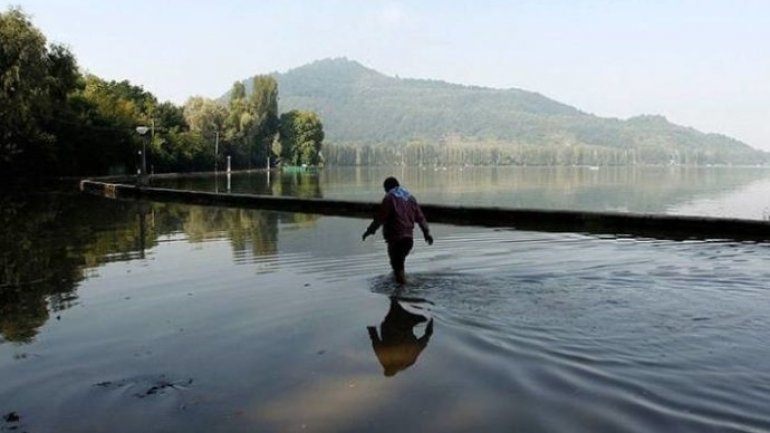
390, 183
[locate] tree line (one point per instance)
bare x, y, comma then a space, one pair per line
57, 120
447, 152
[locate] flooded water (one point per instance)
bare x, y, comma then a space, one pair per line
716, 191
124, 317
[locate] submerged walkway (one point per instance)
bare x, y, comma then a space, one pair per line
611, 223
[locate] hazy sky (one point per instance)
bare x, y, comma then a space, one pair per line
704, 64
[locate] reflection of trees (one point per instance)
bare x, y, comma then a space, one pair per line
635, 189
202, 222
246, 229
49, 240
297, 184
240, 223
46, 242
288, 184
301, 185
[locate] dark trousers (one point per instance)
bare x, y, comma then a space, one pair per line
398, 249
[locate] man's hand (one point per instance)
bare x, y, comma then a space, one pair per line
428, 238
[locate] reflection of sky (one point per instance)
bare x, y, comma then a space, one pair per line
628, 189
625, 189
751, 201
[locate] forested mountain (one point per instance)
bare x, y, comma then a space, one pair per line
372, 118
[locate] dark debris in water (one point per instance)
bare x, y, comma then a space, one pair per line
148, 387
11, 422
161, 386
12, 417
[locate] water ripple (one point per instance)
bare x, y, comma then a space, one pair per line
667, 340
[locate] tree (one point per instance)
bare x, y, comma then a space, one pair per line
252, 121
204, 116
237, 124
55, 120
169, 115
34, 82
120, 102
264, 103
301, 137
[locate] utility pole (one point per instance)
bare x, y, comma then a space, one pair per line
142, 130
268, 145
216, 151
152, 140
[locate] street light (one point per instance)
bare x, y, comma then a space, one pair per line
142, 130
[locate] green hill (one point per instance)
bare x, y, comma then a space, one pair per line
373, 118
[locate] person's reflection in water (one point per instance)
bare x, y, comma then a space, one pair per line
397, 348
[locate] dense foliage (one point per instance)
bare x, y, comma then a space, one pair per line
371, 118
301, 137
55, 120
35, 82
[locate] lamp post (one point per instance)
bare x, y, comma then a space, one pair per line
216, 152
142, 130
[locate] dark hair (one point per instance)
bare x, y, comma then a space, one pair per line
390, 183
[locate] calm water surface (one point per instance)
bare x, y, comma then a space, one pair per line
125, 317
716, 191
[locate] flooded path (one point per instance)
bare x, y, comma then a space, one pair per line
182, 318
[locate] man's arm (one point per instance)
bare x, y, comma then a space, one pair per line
373, 335
379, 218
423, 223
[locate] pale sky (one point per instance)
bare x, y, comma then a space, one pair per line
703, 63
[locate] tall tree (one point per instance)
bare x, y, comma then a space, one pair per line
34, 82
252, 121
204, 116
207, 118
301, 137
264, 105
169, 115
238, 124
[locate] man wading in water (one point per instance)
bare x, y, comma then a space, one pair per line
398, 213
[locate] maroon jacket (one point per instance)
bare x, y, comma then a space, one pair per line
398, 213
